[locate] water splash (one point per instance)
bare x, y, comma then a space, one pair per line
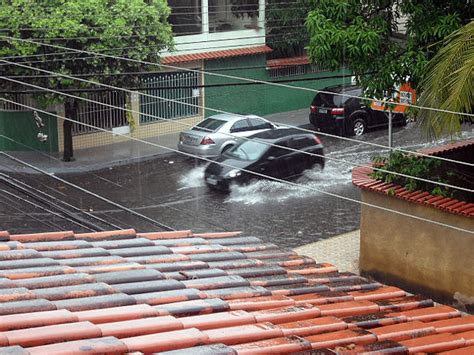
311, 183
192, 179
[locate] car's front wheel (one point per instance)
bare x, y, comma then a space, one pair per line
359, 126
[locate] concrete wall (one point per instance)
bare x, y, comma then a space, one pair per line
416, 255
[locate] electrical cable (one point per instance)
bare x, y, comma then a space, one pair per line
259, 140
49, 199
30, 215
238, 78
148, 219
207, 221
203, 107
49, 211
231, 166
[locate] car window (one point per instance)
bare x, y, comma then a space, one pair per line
341, 100
280, 150
248, 150
240, 126
301, 142
258, 123
209, 125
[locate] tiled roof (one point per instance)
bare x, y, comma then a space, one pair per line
361, 178
172, 59
285, 62
182, 293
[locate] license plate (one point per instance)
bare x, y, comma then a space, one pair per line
322, 110
189, 140
211, 181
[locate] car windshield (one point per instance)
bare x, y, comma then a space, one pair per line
248, 150
209, 125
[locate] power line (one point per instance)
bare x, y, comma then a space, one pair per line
221, 111
172, 53
261, 141
231, 166
101, 178
239, 78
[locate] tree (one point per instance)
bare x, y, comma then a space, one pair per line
364, 36
286, 32
449, 84
136, 29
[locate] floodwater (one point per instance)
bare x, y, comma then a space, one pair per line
170, 189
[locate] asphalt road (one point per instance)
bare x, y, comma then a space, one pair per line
169, 188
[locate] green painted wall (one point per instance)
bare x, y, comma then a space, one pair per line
259, 99
20, 131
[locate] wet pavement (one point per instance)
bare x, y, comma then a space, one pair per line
170, 189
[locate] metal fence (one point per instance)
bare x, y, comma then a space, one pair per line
19, 98
101, 116
176, 95
295, 70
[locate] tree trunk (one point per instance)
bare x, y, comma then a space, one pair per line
71, 114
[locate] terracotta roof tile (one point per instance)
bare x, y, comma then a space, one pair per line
136, 327
340, 338
201, 291
43, 237
55, 281
35, 305
218, 320
285, 345
52, 334
170, 296
434, 343
460, 351
102, 345
285, 62
215, 54
36, 319
166, 340
117, 314
361, 179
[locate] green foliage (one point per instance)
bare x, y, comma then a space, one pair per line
414, 166
136, 29
449, 84
286, 33
362, 35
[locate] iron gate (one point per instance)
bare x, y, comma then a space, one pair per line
176, 95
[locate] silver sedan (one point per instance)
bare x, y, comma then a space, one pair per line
214, 135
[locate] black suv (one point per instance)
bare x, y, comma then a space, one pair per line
347, 115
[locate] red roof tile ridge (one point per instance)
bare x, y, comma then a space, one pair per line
447, 147
419, 197
106, 234
215, 54
166, 235
217, 235
46, 236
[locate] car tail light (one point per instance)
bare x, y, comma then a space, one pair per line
337, 111
313, 109
317, 140
207, 141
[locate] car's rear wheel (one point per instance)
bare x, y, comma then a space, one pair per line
359, 126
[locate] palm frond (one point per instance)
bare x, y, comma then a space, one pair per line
449, 84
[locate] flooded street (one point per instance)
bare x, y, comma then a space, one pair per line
170, 189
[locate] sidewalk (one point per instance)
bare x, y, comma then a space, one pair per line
119, 153
341, 251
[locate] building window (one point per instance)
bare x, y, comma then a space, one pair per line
186, 17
